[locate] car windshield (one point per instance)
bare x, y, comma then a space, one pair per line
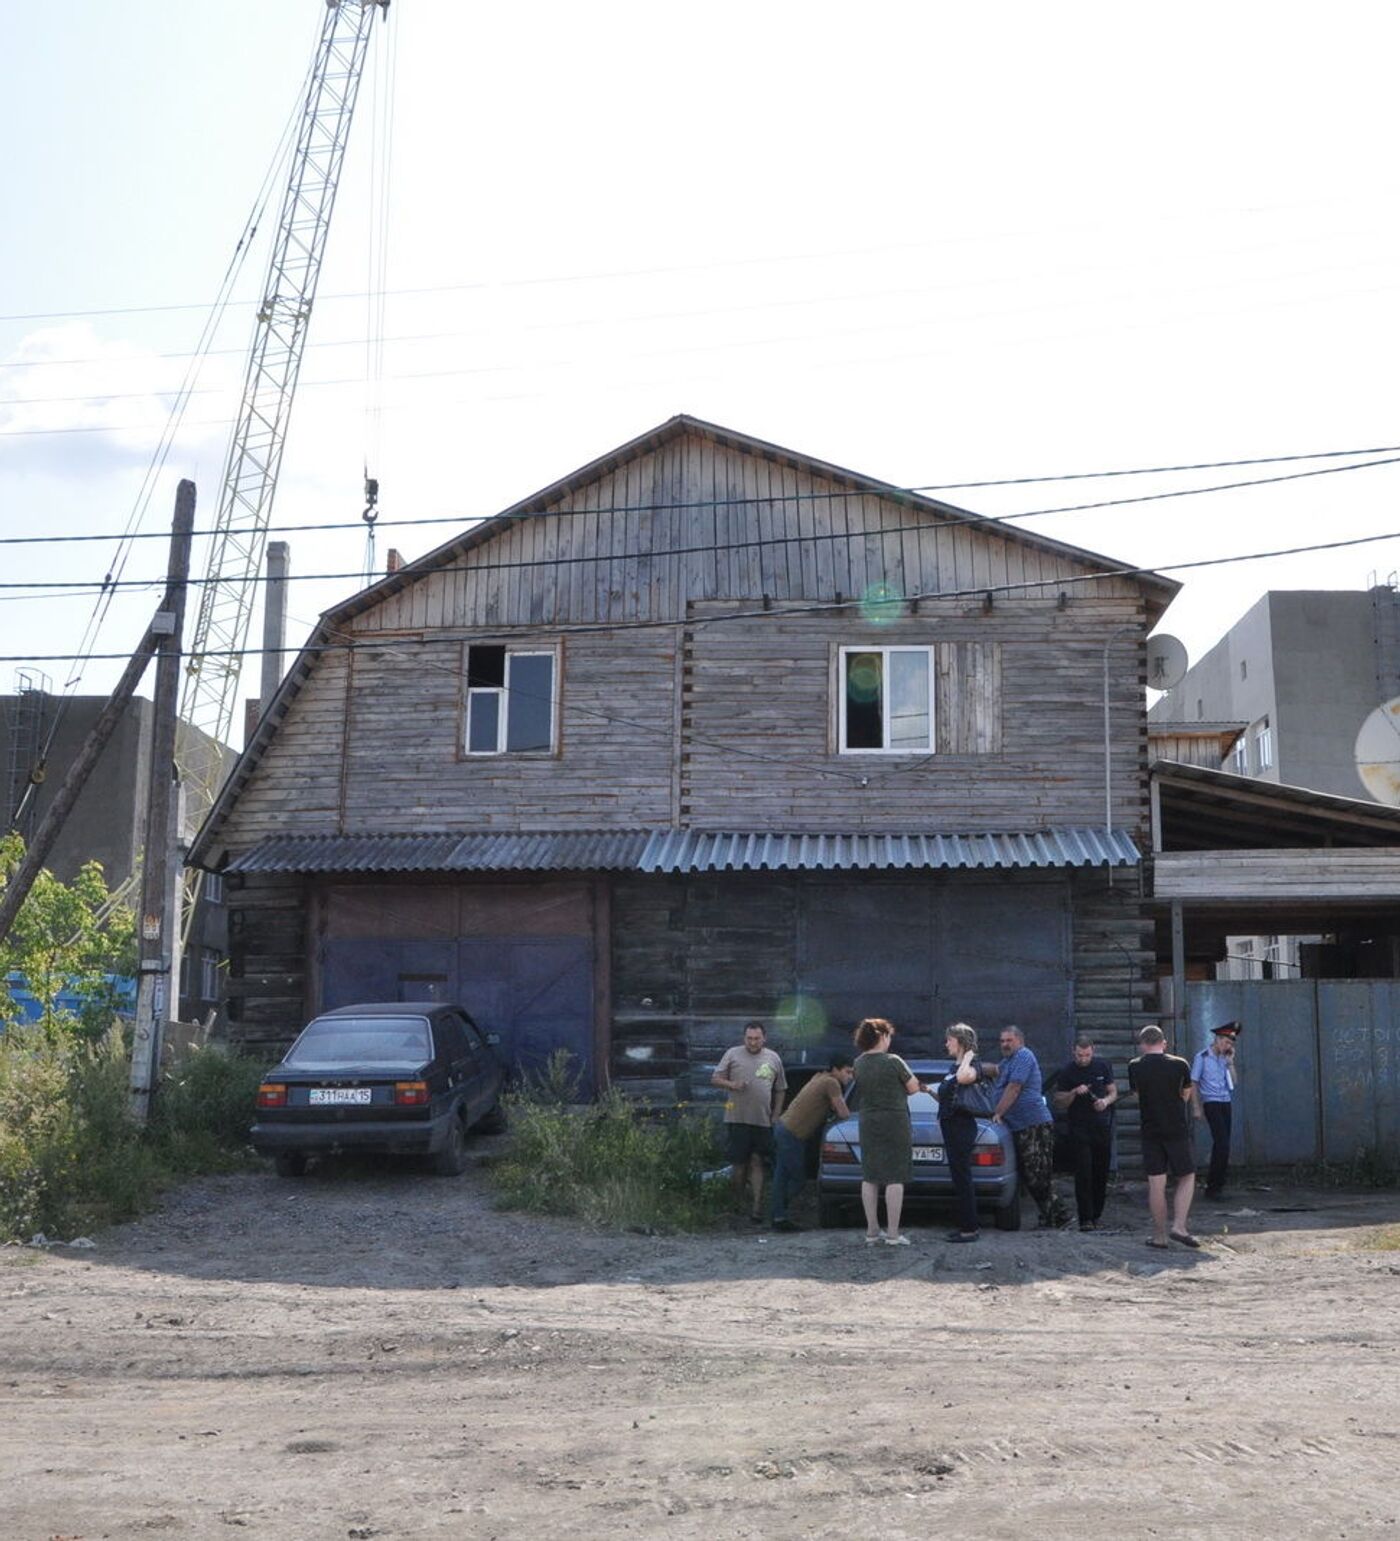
364, 1042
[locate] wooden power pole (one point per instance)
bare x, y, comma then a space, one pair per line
157, 924
84, 762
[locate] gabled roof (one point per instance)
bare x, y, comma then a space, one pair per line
1158, 590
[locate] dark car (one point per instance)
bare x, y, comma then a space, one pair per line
994, 1175
405, 1078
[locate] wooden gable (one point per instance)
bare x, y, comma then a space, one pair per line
693, 513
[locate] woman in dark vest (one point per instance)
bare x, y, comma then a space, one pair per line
885, 1084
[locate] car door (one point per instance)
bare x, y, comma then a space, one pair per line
455, 1056
485, 1071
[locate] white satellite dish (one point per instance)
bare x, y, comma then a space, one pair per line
1378, 753
1166, 662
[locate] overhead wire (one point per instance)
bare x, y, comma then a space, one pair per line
981, 591
107, 591
985, 522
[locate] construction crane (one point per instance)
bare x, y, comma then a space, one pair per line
210, 695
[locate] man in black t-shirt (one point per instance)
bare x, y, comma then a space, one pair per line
1161, 1082
1085, 1091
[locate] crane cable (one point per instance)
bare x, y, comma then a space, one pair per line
383, 79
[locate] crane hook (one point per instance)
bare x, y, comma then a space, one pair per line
371, 512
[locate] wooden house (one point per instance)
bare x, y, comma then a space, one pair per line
708, 730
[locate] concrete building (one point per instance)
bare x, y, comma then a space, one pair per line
38, 742
1302, 668
1299, 671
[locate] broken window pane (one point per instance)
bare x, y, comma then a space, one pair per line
486, 665
530, 710
864, 692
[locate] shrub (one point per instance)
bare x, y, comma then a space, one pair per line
71, 1156
610, 1165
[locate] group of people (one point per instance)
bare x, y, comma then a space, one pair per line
761, 1125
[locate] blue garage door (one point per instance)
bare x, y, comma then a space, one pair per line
534, 991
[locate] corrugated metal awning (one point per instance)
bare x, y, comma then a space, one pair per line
684, 851
694, 851
542, 851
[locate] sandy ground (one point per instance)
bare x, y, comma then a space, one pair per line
383, 1354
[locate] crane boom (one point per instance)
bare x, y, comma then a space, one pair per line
269, 386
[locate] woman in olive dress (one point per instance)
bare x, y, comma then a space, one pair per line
885, 1083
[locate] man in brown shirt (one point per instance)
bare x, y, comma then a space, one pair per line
807, 1114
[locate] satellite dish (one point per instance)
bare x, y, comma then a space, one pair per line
1166, 662
1378, 753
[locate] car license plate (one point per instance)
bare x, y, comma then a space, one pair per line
929, 1153
340, 1094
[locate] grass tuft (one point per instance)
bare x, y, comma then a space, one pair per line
608, 1163
72, 1159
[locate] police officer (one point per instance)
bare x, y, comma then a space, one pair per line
1213, 1084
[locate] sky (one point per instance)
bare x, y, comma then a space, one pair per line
931, 243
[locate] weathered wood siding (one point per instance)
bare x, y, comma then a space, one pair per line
695, 957
1018, 707
722, 719
269, 923
1283, 875
695, 520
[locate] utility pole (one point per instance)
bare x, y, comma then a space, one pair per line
156, 990
16, 891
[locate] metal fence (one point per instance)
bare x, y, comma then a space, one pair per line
1319, 1064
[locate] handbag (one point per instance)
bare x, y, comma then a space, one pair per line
975, 1097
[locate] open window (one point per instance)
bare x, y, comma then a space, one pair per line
511, 697
885, 700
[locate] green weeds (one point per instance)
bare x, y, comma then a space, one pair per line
608, 1163
71, 1157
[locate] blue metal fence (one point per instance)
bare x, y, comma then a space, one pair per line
1319, 1064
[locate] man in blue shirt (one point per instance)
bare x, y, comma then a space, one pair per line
1021, 1106
1212, 1098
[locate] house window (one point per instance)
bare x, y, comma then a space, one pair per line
213, 887
510, 701
1239, 756
886, 700
208, 974
1263, 738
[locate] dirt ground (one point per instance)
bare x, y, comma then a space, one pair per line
383, 1354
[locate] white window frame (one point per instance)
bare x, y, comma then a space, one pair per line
213, 888
209, 962
842, 653
1239, 756
1262, 745
503, 709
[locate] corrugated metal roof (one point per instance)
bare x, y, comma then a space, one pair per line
682, 851
543, 851
693, 851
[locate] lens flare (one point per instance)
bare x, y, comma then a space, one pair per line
803, 1017
882, 604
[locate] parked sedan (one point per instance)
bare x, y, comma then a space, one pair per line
994, 1175
407, 1078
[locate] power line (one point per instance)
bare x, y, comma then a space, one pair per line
800, 497
812, 537
580, 628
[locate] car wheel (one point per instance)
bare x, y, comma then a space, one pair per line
452, 1158
494, 1122
289, 1163
1008, 1218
